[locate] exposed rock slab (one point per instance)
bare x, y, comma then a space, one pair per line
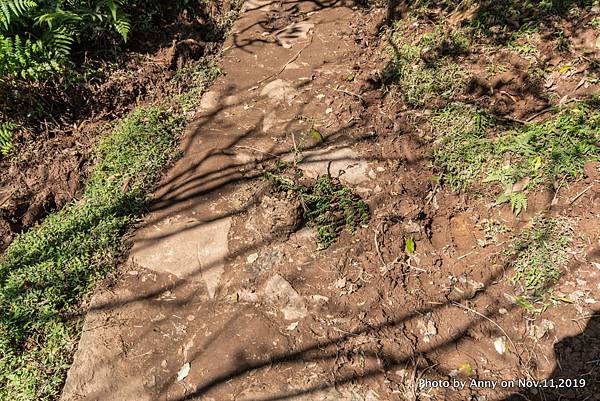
342, 163
280, 293
189, 250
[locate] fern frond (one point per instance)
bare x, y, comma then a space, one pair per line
6, 136
61, 41
4, 14
57, 19
15, 8
518, 202
120, 18
123, 25
28, 59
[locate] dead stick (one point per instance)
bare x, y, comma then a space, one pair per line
579, 194
492, 322
286, 64
256, 150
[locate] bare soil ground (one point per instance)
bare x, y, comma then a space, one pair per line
52, 156
227, 297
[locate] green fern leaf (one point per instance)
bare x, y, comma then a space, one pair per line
6, 136
4, 14
57, 19
16, 8
518, 202
120, 19
123, 26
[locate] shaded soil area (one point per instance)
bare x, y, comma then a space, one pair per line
226, 295
53, 152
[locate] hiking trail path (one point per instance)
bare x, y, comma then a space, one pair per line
220, 298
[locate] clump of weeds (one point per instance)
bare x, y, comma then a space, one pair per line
472, 149
327, 204
540, 255
419, 69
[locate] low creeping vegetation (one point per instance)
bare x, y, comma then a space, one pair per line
328, 205
540, 256
471, 149
46, 272
192, 81
419, 72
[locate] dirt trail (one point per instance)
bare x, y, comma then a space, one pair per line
204, 287
226, 297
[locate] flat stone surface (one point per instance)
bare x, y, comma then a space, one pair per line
279, 89
189, 250
293, 33
342, 163
263, 5
280, 293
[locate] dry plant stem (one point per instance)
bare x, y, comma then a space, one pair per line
349, 93
580, 194
495, 324
539, 113
290, 61
384, 265
256, 150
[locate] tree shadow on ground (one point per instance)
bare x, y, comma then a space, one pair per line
577, 373
491, 34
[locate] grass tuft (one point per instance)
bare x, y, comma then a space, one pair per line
541, 255
47, 271
328, 205
192, 82
420, 72
468, 151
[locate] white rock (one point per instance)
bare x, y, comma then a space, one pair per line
500, 345
183, 372
252, 258
279, 292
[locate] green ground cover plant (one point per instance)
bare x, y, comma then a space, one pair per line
47, 271
473, 150
328, 205
540, 256
418, 69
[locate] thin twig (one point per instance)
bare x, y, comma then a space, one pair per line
308, 43
7, 198
579, 194
539, 113
555, 198
256, 150
347, 92
511, 97
495, 324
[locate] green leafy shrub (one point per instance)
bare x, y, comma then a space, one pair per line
37, 37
